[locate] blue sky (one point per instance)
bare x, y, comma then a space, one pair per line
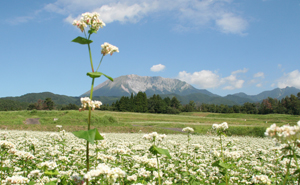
224, 46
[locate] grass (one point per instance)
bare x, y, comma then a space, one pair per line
127, 122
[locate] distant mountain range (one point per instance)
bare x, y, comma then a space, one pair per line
109, 92
125, 85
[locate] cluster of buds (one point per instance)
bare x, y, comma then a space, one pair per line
284, 133
108, 49
89, 19
87, 102
220, 127
188, 129
154, 136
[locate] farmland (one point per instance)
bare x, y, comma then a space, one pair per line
48, 153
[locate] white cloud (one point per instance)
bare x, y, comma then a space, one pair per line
259, 75
233, 82
215, 14
157, 68
208, 79
203, 79
291, 79
230, 23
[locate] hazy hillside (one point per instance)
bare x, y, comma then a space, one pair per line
275, 93
34, 97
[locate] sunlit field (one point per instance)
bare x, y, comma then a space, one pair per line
59, 157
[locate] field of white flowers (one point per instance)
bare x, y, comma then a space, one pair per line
29, 157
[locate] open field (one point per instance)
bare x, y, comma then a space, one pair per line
127, 122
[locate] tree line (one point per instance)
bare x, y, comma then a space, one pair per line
156, 104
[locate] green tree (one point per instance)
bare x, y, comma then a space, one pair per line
49, 104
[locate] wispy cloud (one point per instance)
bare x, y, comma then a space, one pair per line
259, 75
208, 79
216, 14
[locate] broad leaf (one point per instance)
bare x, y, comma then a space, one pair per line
52, 172
90, 135
51, 183
155, 150
81, 40
221, 164
98, 74
92, 31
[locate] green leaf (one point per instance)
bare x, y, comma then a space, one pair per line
52, 172
51, 183
155, 150
90, 135
98, 74
221, 164
92, 31
81, 40
31, 183
297, 171
4, 168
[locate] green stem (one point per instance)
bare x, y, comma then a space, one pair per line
287, 172
159, 181
100, 63
89, 126
221, 148
92, 66
296, 161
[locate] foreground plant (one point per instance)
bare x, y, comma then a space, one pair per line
92, 23
220, 129
154, 137
289, 138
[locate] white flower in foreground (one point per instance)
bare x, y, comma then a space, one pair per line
17, 180
89, 19
223, 126
108, 49
154, 136
188, 129
284, 133
261, 179
87, 102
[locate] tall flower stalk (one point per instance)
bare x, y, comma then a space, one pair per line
92, 23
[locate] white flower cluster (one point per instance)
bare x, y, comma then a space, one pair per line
6, 144
87, 102
17, 180
103, 169
187, 129
284, 133
49, 165
154, 136
24, 155
261, 179
108, 49
223, 126
89, 19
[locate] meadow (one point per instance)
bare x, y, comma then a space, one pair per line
53, 155
128, 122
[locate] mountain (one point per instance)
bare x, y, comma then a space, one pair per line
275, 93
125, 85
56, 98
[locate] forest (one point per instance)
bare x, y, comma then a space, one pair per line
156, 104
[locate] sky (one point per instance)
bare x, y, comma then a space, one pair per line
224, 46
